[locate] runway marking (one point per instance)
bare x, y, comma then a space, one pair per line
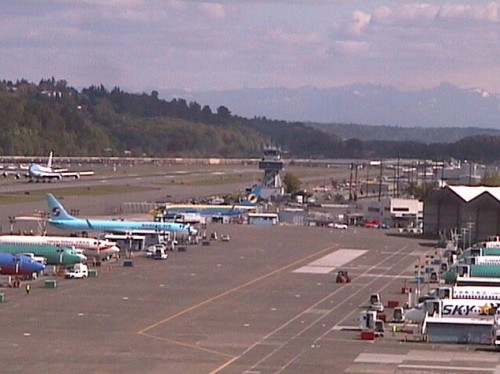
328, 263
450, 356
144, 331
446, 368
298, 316
307, 269
380, 358
400, 276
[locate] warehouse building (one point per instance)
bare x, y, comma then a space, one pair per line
472, 211
394, 212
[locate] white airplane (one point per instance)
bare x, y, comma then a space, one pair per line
452, 308
91, 247
36, 172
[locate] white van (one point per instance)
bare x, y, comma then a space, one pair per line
77, 271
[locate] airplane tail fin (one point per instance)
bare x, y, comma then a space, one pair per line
49, 163
57, 211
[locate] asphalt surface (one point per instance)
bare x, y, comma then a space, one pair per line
250, 305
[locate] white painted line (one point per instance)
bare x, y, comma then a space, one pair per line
446, 368
314, 269
328, 263
339, 257
384, 276
450, 356
380, 358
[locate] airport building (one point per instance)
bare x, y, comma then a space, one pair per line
473, 211
394, 212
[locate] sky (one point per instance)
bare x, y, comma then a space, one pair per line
141, 46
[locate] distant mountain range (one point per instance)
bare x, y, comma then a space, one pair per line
443, 106
367, 133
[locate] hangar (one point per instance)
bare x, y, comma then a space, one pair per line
473, 211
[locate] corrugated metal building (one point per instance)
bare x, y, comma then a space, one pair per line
473, 211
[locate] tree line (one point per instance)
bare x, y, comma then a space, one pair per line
95, 121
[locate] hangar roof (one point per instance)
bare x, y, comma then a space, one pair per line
468, 193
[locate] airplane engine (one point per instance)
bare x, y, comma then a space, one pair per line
77, 176
253, 198
17, 176
5, 175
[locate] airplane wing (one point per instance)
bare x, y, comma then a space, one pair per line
16, 173
59, 175
75, 174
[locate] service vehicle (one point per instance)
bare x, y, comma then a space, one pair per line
77, 271
160, 253
343, 277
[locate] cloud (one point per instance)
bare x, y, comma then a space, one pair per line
476, 12
215, 10
359, 22
230, 43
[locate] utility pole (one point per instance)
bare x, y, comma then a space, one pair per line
380, 182
350, 183
356, 182
397, 179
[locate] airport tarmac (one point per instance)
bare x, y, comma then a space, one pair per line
264, 302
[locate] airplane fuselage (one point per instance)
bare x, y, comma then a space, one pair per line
90, 246
53, 254
120, 226
11, 264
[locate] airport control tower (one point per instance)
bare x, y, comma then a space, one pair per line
271, 185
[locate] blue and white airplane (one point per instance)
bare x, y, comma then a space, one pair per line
60, 218
11, 264
36, 172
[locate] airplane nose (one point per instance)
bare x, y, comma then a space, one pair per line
40, 267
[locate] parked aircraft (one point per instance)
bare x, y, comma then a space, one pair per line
53, 254
207, 209
37, 172
60, 218
91, 247
11, 264
452, 308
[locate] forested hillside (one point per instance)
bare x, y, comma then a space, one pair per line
50, 115
95, 121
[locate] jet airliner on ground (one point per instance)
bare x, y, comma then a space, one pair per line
53, 254
60, 218
37, 172
11, 264
91, 247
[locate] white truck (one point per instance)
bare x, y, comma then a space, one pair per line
160, 253
376, 303
77, 271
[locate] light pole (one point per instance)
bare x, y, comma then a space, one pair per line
12, 219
